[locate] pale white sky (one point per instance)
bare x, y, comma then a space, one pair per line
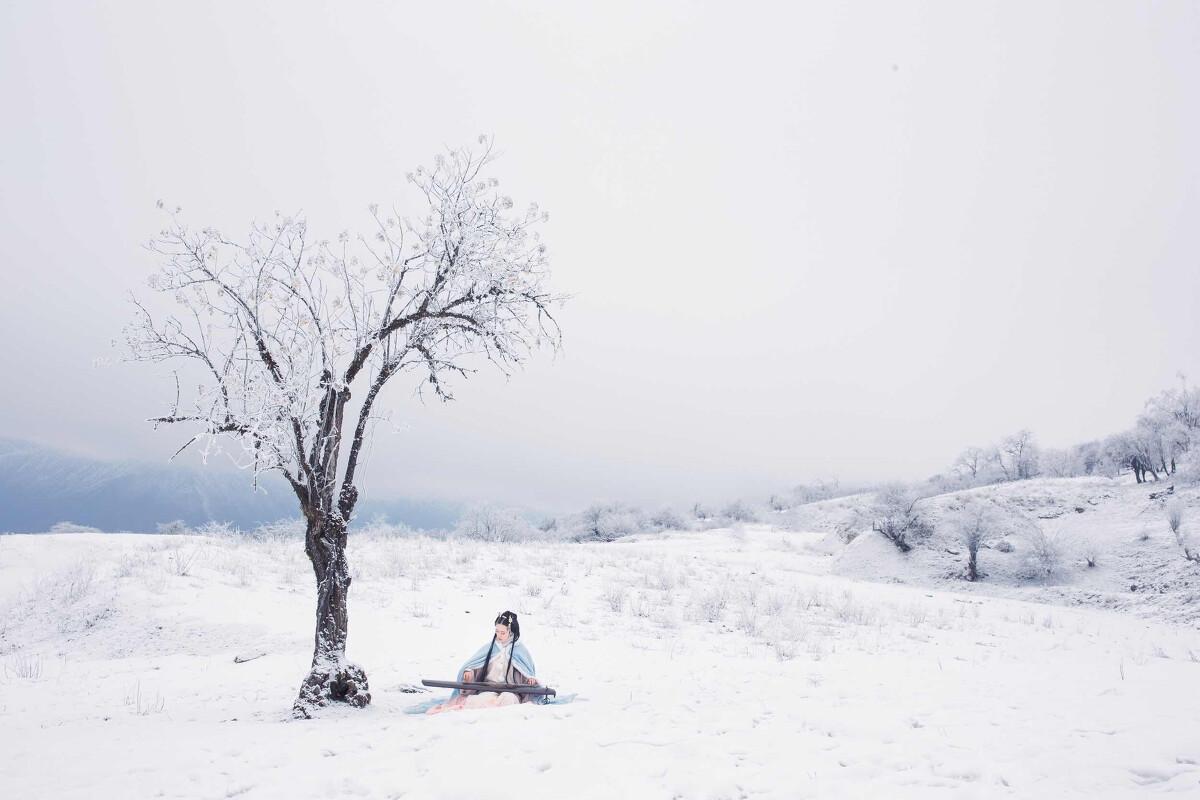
804, 239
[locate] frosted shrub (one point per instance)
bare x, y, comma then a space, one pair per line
785, 649
896, 518
26, 667
219, 530
775, 604
664, 617
174, 527
614, 597
1175, 516
378, 529
667, 520
76, 583
639, 606
851, 611
605, 522
155, 581
394, 565
281, 530
129, 564
488, 523
1043, 555
533, 589
814, 596
141, 704
240, 572
785, 636
747, 620
738, 511
1175, 522
665, 580
915, 614
180, 562
848, 532
709, 604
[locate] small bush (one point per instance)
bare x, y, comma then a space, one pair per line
219, 530
487, 523
1175, 521
280, 530
69, 586
1175, 517
710, 604
605, 522
737, 511
847, 532
640, 606
143, 705
26, 667
174, 527
614, 597
179, 561
667, 520
1043, 555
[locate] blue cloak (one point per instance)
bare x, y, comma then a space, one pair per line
521, 659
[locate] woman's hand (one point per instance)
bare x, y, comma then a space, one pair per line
468, 675
531, 681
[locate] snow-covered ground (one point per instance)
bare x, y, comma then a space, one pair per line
726, 664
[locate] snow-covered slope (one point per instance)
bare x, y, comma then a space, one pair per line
1137, 564
726, 664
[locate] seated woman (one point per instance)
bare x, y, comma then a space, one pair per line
503, 660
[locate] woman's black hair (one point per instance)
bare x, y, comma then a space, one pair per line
509, 619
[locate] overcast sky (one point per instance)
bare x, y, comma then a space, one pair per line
804, 239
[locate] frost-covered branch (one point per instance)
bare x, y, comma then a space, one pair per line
284, 325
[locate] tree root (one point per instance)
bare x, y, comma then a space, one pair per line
342, 682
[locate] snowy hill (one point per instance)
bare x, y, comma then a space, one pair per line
731, 663
1137, 563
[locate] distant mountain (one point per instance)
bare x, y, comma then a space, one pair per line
40, 486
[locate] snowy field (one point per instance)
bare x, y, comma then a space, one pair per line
727, 664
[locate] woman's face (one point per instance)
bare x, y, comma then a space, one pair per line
502, 633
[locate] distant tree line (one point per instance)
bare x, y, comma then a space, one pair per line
1159, 444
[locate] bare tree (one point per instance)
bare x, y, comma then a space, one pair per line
970, 462
896, 518
1133, 450
1017, 456
282, 327
972, 524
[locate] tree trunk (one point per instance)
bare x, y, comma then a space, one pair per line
332, 677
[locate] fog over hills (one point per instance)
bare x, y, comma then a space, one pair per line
41, 486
